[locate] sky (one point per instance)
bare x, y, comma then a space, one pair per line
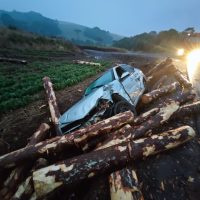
123, 17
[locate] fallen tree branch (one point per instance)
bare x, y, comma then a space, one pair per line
73, 171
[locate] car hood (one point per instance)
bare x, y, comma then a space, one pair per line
84, 106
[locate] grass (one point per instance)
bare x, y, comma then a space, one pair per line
20, 85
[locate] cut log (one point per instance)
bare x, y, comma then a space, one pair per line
73, 171
25, 190
56, 145
182, 79
187, 110
81, 62
159, 66
102, 127
97, 142
13, 60
55, 113
159, 83
155, 94
124, 185
17, 175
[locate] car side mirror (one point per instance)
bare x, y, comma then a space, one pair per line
125, 74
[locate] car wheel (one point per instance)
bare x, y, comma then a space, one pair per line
123, 106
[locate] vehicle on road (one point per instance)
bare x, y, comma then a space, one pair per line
117, 90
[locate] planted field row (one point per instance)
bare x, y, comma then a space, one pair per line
19, 85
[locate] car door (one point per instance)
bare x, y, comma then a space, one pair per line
131, 83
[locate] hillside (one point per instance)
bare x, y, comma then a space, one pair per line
36, 23
11, 38
164, 41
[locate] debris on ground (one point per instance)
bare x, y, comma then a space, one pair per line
82, 62
111, 153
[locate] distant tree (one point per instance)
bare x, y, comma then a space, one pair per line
78, 31
190, 29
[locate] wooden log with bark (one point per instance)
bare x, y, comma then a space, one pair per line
159, 83
182, 79
53, 107
160, 66
155, 94
187, 110
170, 69
82, 62
77, 169
124, 185
26, 189
13, 60
54, 146
71, 141
18, 174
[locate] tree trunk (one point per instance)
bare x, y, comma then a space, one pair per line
124, 185
187, 110
55, 113
25, 190
159, 83
159, 66
75, 170
18, 174
67, 142
155, 94
182, 79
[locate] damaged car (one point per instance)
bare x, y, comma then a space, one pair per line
117, 90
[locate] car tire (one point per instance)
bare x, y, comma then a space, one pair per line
123, 106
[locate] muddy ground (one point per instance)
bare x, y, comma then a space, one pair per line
174, 175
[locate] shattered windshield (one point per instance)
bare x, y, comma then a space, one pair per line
101, 81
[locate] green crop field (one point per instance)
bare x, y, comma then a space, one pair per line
21, 84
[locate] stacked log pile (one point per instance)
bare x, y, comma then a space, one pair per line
110, 147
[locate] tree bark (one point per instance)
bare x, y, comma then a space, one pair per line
55, 113
25, 190
124, 185
73, 171
17, 175
159, 83
155, 94
182, 79
159, 66
71, 141
67, 142
187, 110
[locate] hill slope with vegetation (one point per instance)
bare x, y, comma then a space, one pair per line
36, 23
17, 39
163, 41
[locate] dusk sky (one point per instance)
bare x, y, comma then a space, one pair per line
124, 17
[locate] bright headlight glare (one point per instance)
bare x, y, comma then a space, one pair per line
180, 52
193, 60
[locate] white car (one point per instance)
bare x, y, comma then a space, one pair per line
117, 90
